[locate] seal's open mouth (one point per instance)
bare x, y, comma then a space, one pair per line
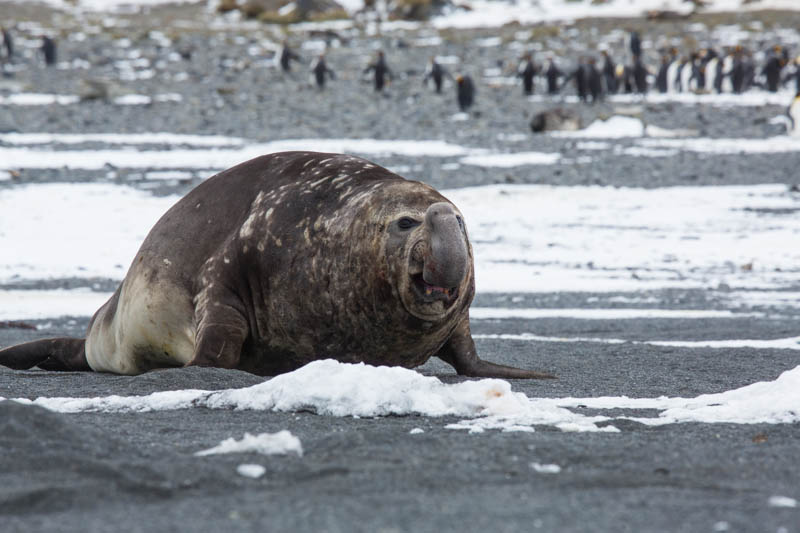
432, 293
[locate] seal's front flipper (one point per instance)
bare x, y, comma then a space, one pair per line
49, 354
460, 352
221, 332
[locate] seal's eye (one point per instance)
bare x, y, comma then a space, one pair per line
407, 223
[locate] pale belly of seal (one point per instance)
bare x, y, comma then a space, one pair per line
151, 326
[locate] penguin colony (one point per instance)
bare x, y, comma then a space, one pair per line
732, 69
708, 70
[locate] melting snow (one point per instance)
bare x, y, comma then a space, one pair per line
39, 304
754, 98
601, 314
527, 238
331, 388
766, 402
142, 99
707, 145
747, 99
64, 230
38, 99
545, 468
15, 158
782, 501
120, 138
280, 443
512, 160
111, 5
488, 13
337, 389
788, 343
481, 13
540, 238
251, 470
611, 128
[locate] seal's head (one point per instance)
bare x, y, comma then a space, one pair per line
427, 252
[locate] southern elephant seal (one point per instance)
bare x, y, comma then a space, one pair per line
284, 259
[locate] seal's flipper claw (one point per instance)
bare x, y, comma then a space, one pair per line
460, 352
220, 336
485, 369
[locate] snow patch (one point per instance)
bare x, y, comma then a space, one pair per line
24, 139
39, 304
612, 128
542, 238
26, 99
252, 471
782, 501
766, 402
512, 160
545, 468
788, 343
16, 158
706, 145
484, 313
280, 443
331, 388
526, 238
79, 221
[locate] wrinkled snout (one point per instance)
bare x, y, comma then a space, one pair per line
448, 260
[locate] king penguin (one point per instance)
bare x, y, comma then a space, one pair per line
794, 116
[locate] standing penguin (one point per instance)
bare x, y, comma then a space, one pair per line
527, 70
285, 57
794, 116
686, 73
465, 92
737, 72
594, 81
662, 78
726, 80
434, 71
49, 50
673, 71
625, 78
794, 74
321, 71
749, 72
551, 74
8, 43
635, 43
639, 73
699, 69
609, 73
580, 75
381, 71
712, 66
772, 69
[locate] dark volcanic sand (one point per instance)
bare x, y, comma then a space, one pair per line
96, 472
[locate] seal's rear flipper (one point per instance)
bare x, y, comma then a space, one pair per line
49, 354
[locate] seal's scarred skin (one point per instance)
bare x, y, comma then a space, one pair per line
284, 259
